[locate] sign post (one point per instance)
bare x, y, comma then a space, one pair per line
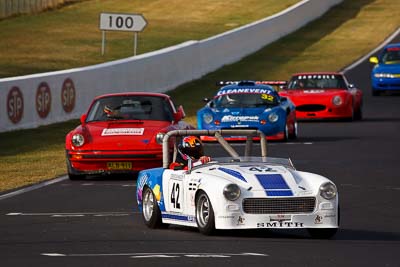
121, 22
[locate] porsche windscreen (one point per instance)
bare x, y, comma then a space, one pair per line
391, 55
319, 81
245, 100
243, 160
131, 108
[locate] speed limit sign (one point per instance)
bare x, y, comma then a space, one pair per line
121, 22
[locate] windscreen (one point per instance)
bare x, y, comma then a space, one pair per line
391, 55
245, 101
131, 108
330, 81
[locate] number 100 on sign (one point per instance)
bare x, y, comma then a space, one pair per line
122, 22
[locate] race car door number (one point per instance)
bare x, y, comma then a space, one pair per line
119, 165
175, 188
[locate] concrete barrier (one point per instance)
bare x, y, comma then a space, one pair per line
41, 99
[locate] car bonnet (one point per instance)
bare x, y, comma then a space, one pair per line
274, 180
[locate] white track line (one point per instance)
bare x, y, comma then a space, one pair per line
358, 62
355, 64
33, 187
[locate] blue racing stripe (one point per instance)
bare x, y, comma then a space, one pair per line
274, 185
279, 193
233, 173
178, 217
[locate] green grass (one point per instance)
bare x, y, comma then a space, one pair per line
70, 37
343, 35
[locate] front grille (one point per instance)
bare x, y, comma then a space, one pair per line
389, 85
279, 205
310, 108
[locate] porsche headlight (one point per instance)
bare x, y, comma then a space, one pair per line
232, 192
328, 190
207, 118
337, 100
78, 140
273, 117
159, 138
384, 75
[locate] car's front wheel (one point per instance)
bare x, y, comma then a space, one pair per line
358, 114
204, 214
151, 212
322, 233
376, 92
294, 133
71, 172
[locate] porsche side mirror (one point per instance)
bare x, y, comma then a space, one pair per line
374, 60
179, 114
83, 119
206, 99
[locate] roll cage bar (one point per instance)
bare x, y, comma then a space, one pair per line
218, 134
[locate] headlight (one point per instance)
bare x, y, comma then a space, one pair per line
207, 118
384, 75
232, 192
273, 117
337, 100
328, 190
78, 140
159, 138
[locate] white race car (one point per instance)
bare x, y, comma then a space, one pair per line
237, 192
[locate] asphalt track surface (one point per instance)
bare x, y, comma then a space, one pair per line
96, 222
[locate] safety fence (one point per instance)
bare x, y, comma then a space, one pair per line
41, 99
9, 8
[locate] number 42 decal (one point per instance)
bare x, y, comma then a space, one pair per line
175, 195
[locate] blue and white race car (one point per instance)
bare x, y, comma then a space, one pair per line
237, 192
385, 75
249, 105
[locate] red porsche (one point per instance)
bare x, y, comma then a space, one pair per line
324, 95
122, 133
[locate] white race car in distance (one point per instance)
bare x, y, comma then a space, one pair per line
237, 192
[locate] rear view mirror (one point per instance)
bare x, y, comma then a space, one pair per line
179, 114
83, 119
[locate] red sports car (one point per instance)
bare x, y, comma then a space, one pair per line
324, 95
122, 133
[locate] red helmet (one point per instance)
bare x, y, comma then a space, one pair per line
192, 146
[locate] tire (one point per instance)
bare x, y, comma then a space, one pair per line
376, 92
322, 233
74, 177
294, 133
204, 214
285, 133
71, 173
358, 114
151, 213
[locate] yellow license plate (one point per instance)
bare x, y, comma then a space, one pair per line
119, 165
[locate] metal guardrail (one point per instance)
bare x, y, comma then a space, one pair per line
10, 8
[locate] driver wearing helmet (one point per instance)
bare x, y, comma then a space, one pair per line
190, 147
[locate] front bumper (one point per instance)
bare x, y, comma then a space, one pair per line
97, 162
278, 136
294, 213
313, 111
277, 221
382, 84
272, 131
